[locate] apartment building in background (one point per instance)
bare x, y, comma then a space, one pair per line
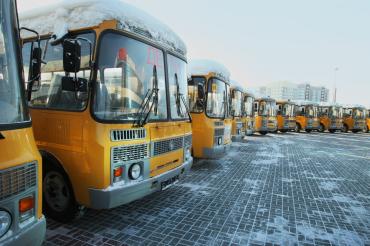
286, 90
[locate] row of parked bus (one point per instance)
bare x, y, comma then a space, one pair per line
117, 112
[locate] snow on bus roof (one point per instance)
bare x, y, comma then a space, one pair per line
204, 67
67, 15
236, 85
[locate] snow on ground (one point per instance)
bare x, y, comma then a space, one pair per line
327, 185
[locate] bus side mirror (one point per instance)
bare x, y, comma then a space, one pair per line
35, 69
71, 56
201, 92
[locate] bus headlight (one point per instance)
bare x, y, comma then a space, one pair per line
135, 171
5, 222
187, 154
219, 141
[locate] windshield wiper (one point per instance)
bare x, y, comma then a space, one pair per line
151, 96
180, 98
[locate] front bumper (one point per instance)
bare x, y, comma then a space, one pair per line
216, 152
120, 195
32, 235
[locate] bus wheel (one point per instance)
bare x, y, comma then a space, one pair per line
355, 131
332, 131
58, 198
367, 129
345, 128
284, 131
308, 131
321, 128
263, 133
297, 128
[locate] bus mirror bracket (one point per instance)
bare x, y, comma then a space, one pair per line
34, 74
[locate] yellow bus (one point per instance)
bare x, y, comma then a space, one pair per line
236, 109
248, 114
286, 116
110, 117
331, 118
21, 219
265, 115
209, 86
354, 118
306, 116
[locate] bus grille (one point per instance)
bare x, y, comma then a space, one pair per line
130, 134
14, 181
188, 140
130, 153
219, 123
167, 145
219, 132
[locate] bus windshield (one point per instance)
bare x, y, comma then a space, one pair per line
177, 77
236, 104
216, 99
335, 112
12, 103
287, 110
129, 71
248, 106
358, 114
267, 108
311, 111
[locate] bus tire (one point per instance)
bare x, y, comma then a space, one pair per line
297, 128
355, 131
321, 128
283, 131
332, 131
59, 202
308, 130
263, 133
345, 128
367, 129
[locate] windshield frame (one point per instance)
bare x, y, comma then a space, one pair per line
146, 41
11, 19
226, 114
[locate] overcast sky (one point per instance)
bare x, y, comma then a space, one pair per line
267, 40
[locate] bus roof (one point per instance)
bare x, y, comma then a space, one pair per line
326, 104
70, 15
269, 99
235, 85
354, 106
204, 67
285, 102
306, 103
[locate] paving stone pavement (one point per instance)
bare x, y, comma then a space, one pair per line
279, 189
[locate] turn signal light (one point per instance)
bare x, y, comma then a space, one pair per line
26, 204
118, 172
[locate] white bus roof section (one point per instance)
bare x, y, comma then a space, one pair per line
305, 103
204, 67
235, 85
68, 15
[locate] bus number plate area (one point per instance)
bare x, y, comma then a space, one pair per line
168, 183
